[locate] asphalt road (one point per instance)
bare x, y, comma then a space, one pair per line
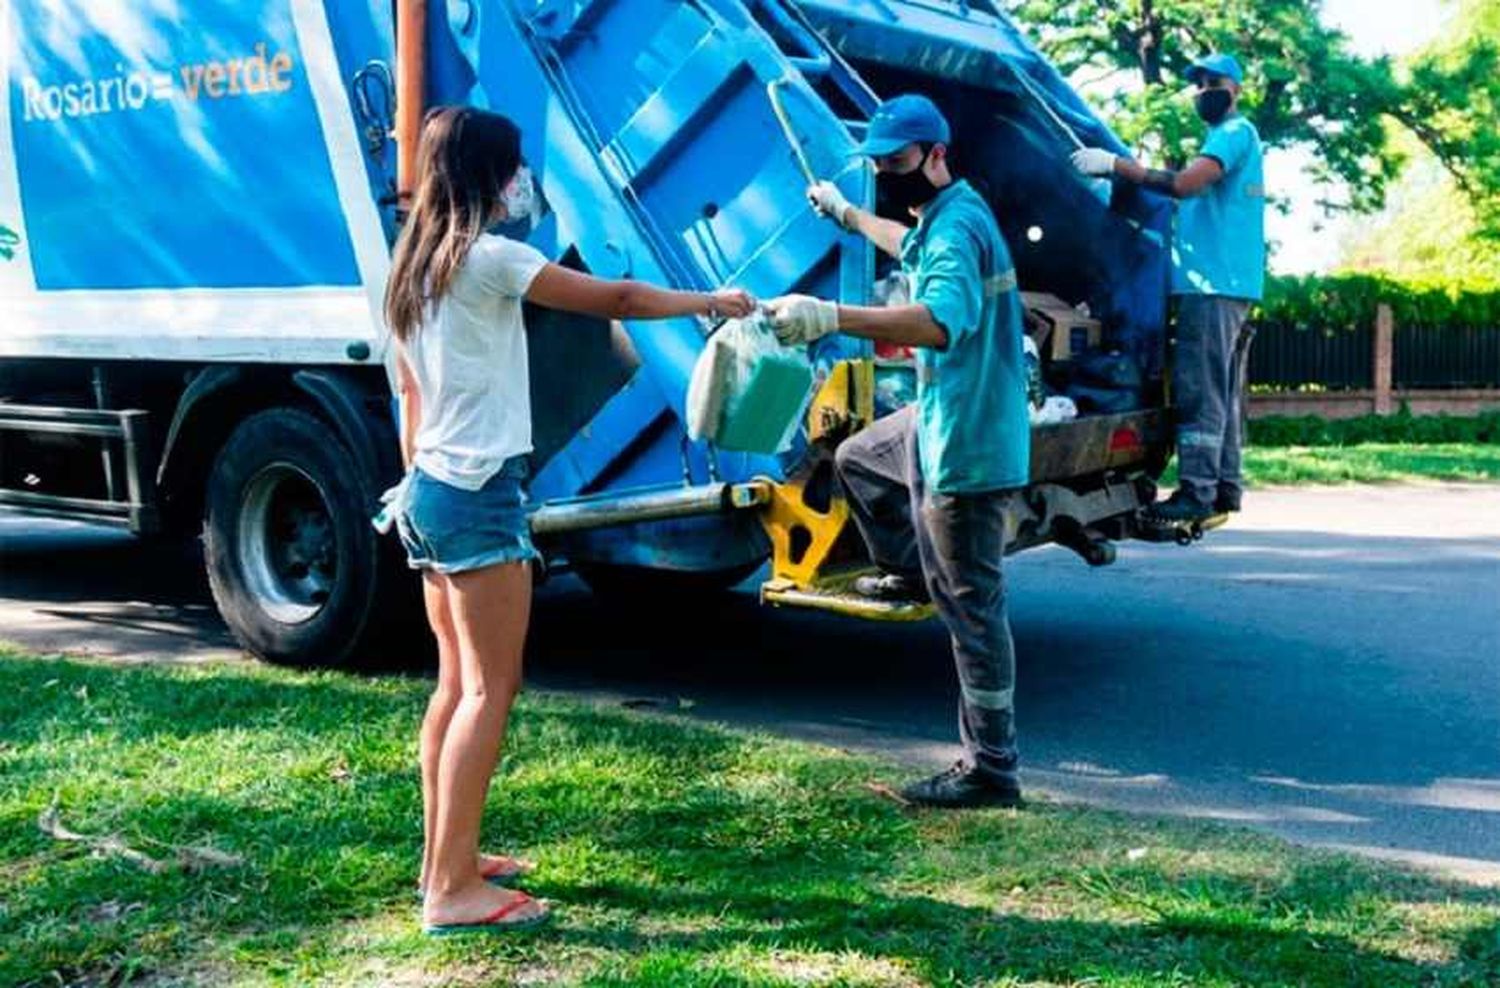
1327, 669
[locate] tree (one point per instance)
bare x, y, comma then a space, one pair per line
1303, 87
1452, 104
1428, 233
1443, 222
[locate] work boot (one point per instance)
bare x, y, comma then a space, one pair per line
1227, 501
962, 787
1180, 508
892, 587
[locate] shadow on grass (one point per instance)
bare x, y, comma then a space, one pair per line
654, 837
947, 943
1482, 947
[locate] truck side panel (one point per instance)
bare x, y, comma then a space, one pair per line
183, 187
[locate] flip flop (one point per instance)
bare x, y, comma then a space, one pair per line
497, 875
494, 922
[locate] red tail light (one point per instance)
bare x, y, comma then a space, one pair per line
1125, 440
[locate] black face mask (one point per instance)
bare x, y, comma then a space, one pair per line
897, 195
1212, 104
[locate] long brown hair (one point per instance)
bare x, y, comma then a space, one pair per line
465, 159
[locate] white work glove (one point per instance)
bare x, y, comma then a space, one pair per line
1096, 162
830, 202
801, 318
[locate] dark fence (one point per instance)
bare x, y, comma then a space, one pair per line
1291, 357
1446, 357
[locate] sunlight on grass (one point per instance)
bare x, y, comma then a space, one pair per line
1372, 463
1369, 463
676, 853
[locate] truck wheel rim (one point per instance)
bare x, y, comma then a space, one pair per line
287, 545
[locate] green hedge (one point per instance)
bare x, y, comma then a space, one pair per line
1347, 301
1403, 427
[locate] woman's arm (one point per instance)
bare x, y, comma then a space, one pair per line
557, 287
410, 403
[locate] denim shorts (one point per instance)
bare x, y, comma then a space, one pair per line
447, 529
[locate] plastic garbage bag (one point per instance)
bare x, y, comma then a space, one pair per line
895, 386
1106, 382
747, 392
1057, 408
1036, 393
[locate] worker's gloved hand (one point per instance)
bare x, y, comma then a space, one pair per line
731, 303
830, 202
801, 318
1096, 162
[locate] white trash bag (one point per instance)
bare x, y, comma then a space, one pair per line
748, 393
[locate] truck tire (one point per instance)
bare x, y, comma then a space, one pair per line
295, 567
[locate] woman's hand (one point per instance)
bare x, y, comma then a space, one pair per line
734, 303
557, 287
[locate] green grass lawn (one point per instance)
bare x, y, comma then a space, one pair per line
1372, 463
1367, 463
675, 853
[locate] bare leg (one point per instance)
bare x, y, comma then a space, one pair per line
489, 609
439, 709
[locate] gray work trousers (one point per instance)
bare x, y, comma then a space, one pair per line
954, 543
1208, 384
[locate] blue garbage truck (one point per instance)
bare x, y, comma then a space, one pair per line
197, 204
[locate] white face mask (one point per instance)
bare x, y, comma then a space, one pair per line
519, 197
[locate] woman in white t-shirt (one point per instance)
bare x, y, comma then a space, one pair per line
453, 305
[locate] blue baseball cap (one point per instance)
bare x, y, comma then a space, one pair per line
903, 120
1218, 63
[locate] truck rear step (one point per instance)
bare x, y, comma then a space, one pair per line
836, 593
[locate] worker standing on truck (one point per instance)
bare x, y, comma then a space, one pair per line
928, 485
1218, 271
453, 304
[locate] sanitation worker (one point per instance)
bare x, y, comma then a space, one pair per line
928, 485
1218, 270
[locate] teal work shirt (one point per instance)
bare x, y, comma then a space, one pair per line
973, 424
1219, 246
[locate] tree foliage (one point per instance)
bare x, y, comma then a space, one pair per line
1304, 85
1430, 231
1348, 301
1452, 104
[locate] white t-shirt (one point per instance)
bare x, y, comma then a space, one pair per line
469, 359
